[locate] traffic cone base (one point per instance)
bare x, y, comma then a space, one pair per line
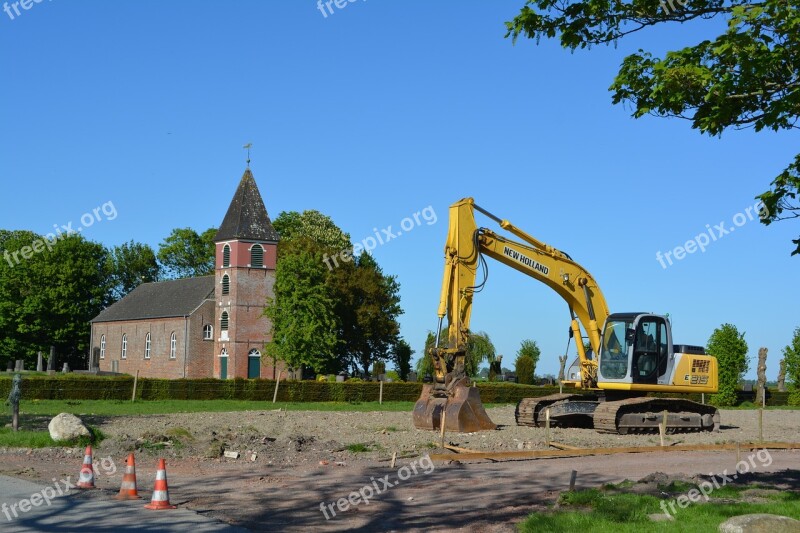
86, 477
160, 499
127, 490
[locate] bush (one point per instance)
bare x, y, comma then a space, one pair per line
794, 397
524, 368
730, 349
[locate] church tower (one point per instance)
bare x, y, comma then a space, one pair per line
246, 253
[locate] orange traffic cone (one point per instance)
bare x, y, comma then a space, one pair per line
128, 489
160, 498
86, 477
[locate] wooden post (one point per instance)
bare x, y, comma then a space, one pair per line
444, 424
14, 398
572, 480
703, 398
547, 427
760, 425
738, 453
662, 427
277, 382
380, 394
394, 460
135, 382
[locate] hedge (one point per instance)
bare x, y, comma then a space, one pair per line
88, 387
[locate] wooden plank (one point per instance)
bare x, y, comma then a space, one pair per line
536, 454
460, 450
561, 446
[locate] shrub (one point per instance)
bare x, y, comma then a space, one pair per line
524, 368
730, 349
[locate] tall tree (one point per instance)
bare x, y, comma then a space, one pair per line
479, 348
130, 265
791, 356
528, 354
401, 357
302, 314
730, 349
748, 76
368, 306
49, 297
314, 226
187, 254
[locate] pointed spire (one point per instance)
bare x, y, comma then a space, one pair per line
247, 217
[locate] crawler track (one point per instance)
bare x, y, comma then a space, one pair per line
643, 415
528, 409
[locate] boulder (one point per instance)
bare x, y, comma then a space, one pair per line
67, 427
758, 523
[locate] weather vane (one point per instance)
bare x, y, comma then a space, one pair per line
247, 147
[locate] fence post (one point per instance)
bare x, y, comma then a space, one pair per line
135, 382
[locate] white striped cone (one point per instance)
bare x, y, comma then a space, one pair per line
128, 490
160, 499
86, 477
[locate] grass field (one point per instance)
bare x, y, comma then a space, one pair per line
609, 511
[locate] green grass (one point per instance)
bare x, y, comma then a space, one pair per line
359, 447
597, 510
122, 407
41, 439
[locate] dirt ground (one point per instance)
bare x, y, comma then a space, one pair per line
292, 465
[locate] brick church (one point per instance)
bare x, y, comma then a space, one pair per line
209, 326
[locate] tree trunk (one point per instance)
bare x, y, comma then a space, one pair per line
761, 371
563, 360
782, 376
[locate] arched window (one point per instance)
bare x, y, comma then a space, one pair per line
147, 346
102, 347
173, 345
257, 256
253, 364
226, 256
124, 346
208, 332
223, 321
226, 284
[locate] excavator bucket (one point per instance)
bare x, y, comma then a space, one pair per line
463, 408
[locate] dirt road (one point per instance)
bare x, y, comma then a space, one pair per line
295, 471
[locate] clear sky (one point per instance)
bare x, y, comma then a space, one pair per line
377, 111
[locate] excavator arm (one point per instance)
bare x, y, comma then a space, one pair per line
465, 250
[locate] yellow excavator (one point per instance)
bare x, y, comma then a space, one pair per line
632, 354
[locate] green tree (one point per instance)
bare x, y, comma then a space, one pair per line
314, 226
791, 355
130, 265
479, 349
187, 254
527, 359
367, 306
302, 314
401, 358
49, 298
745, 77
730, 349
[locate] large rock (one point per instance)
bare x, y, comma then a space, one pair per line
67, 427
758, 523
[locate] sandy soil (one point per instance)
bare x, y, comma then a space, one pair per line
292, 463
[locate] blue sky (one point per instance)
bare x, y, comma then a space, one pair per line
376, 112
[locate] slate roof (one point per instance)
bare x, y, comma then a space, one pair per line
164, 299
247, 217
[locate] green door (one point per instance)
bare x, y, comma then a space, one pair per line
253, 367
223, 368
